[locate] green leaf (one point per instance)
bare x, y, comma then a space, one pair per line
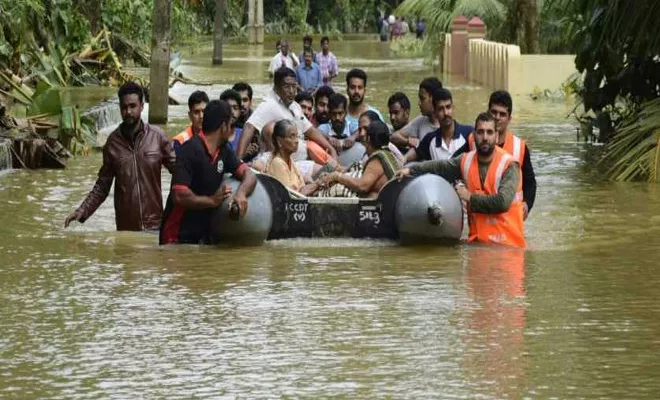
49, 102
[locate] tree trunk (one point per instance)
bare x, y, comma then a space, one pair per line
260, 21
160, 62
514, 22
531, 27
251, 26
218, 31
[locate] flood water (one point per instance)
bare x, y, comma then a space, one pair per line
90, 313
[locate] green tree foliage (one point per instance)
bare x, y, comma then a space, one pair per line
617, 49
532, 24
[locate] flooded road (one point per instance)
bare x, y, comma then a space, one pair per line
92, 313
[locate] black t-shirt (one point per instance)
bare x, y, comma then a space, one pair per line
202, 173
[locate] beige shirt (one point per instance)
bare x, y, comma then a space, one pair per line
287, 173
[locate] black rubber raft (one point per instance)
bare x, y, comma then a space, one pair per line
424, 209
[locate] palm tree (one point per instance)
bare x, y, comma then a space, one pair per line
513, 21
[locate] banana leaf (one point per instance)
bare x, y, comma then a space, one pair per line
46, 102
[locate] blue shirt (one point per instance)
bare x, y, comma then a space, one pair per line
326, 129
237, 138
309, 78
355, 124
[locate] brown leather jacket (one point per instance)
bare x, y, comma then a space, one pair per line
136, 170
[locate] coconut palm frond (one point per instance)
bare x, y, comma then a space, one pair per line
485, 9
634, 150
437, 14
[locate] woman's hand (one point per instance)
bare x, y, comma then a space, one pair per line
327, 179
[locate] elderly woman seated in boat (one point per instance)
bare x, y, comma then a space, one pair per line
320, 162
281, 164
380, 167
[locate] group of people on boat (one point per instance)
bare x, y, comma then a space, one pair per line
316, 144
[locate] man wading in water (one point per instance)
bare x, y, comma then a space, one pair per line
500, 106
133, 157
492, 190
197, 188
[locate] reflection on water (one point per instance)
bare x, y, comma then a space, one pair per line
92, 313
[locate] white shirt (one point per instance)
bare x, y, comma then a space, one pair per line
444, 152
280, 60
273, 109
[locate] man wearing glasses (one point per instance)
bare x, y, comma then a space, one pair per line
279, 105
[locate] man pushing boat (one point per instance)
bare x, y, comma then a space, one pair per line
492, 190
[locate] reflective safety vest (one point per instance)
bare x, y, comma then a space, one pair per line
184, 136
512, 144
506, 228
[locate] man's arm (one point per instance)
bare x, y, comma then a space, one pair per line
168, 155
334, 72
187, 199
529, 180
248, 182
314, 135
500, 202
183, 196
319, 80
402, 137
98, 194
410, 156
246, 138
449, 169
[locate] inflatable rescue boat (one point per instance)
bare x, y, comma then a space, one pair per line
423, 209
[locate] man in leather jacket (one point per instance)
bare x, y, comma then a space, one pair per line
133, 157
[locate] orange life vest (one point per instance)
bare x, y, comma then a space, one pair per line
512, 144
184, 136
506, 228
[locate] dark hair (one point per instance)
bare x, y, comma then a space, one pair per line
197, 97
372, 115
304, 96
216, 113
241, 86
483, 117
325, 39
400, 98
279, 42
231, 94
441, 94
323, 91
308, 51
501, 98
282, 73
356, 73
131, 87
430, 84
307, 38
279, 131
336, 100
378, 134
